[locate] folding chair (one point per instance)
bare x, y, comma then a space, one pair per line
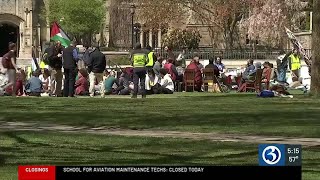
189, 79
208, 77
256, 83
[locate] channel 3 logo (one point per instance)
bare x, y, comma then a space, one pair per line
271, 155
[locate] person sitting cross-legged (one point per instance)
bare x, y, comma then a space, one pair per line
152, 81
166, 83
82, 84
34, 86
124, 84
109, 82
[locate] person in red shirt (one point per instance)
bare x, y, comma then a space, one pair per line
198, 75
171, 69
82, 85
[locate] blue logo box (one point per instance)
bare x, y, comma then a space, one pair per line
272, 155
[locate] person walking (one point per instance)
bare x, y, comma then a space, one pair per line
70, 59
96, 66
9, 63
55, 63
139, 59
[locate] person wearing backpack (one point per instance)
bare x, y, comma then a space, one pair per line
86, 55
9, 63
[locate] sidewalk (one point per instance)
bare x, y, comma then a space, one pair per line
19, 126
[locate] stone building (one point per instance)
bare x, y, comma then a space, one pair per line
20, 22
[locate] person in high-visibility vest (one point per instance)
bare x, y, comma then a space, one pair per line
295, 64
139, 59
152, 58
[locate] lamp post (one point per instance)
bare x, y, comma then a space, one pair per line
39, 39
132, 10
136, 30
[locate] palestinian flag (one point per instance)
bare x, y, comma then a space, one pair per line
57, 34
297, 45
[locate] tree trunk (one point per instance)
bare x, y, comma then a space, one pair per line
315, 71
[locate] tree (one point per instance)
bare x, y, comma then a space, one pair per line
315, 70
79, 18
178, 38
222, 16
120, 23
267, 19
157, 14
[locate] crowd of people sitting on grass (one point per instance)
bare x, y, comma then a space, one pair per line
165, 76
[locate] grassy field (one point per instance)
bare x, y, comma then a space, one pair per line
232, 113
78, 149
200, 112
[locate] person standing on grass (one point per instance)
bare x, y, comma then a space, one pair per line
152, 58
9, 62
55, 63
139, 59
96, 66
70, 59
295, 65
282, 66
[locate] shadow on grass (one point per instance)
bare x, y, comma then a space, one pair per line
154, 151
303, 123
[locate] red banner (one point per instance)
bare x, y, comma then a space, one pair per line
36, 173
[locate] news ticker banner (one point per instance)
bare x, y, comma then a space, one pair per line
203, 172
276, 161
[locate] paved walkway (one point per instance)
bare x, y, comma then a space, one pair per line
23, 126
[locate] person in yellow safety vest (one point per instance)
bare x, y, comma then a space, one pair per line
139, 59
152, 58
295, 65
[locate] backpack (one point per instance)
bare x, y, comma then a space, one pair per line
266, 94
86, 57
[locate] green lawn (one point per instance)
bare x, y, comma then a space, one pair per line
27, 148
188, 112
198, 112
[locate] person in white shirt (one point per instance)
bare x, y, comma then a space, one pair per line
46, 80
167, 86
151, 82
